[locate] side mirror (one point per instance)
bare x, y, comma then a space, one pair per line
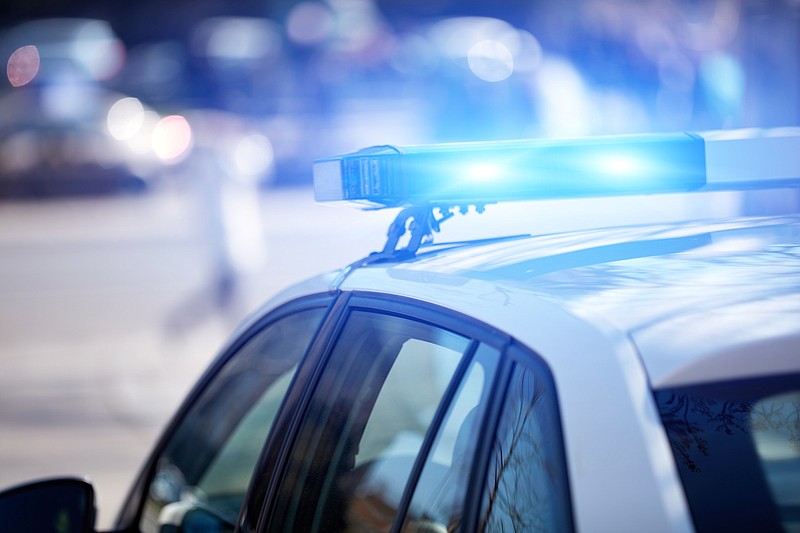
63, 505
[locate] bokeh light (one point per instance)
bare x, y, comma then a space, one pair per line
723, 82
97, 49
253, 155
490, 61
456, 36
309, 23
172, 138
23, 65
483, 172
564, 99
238, 38
141, 143
619, 166
358, 28
125, 118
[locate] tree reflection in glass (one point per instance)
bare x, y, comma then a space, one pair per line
526, 487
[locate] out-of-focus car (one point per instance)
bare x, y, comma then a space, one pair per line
639, 378
83, 140
62, 131
63, 160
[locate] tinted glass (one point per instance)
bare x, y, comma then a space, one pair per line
208, 461
437, 503
526, 487
737, 448
366, 423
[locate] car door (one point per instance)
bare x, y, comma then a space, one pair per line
200, 474
420, 420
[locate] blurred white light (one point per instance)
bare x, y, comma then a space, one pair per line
98, 50
23, 65
565, 101
253, 155
619, 165
493, 48
309, 23
484, 172
125, 118
358, 26
490, 61
456, 36
141, 142
240, 38
172, 138
723, 79
529, 56
242, 217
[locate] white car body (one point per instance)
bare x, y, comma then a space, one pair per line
615, 313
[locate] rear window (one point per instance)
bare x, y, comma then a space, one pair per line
737, 448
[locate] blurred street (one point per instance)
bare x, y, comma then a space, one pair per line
111, 309
155, 168
107, 318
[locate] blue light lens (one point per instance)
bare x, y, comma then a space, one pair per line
469, 173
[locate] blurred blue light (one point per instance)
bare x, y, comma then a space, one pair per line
723, 80
484, 172
468, 173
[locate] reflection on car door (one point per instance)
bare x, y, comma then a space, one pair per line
415, 427
366, 423
207, 462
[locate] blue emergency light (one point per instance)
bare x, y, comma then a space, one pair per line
487, 172
462, 174
431, 181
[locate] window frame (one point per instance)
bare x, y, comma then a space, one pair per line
131, 511
511, 353
516, 355
260, 500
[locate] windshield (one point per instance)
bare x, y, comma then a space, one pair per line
737, 448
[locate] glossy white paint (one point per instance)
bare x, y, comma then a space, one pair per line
613, 313
621, 470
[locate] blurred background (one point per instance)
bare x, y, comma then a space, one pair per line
155, 165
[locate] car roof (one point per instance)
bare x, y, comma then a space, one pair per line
695, 298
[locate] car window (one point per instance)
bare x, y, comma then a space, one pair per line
526, 486
366, 423
737, 449
774, 422
207, 463
438, 499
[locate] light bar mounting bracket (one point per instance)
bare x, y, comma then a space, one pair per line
421, 222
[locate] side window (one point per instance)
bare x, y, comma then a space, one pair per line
737, 448
438, 498
366, 423
774, 423
526, 487
205, 468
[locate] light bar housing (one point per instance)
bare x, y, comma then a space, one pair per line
488, 172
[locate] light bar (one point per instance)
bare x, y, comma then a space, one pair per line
487, 172
752, 159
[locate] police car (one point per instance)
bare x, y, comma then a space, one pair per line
634, 379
